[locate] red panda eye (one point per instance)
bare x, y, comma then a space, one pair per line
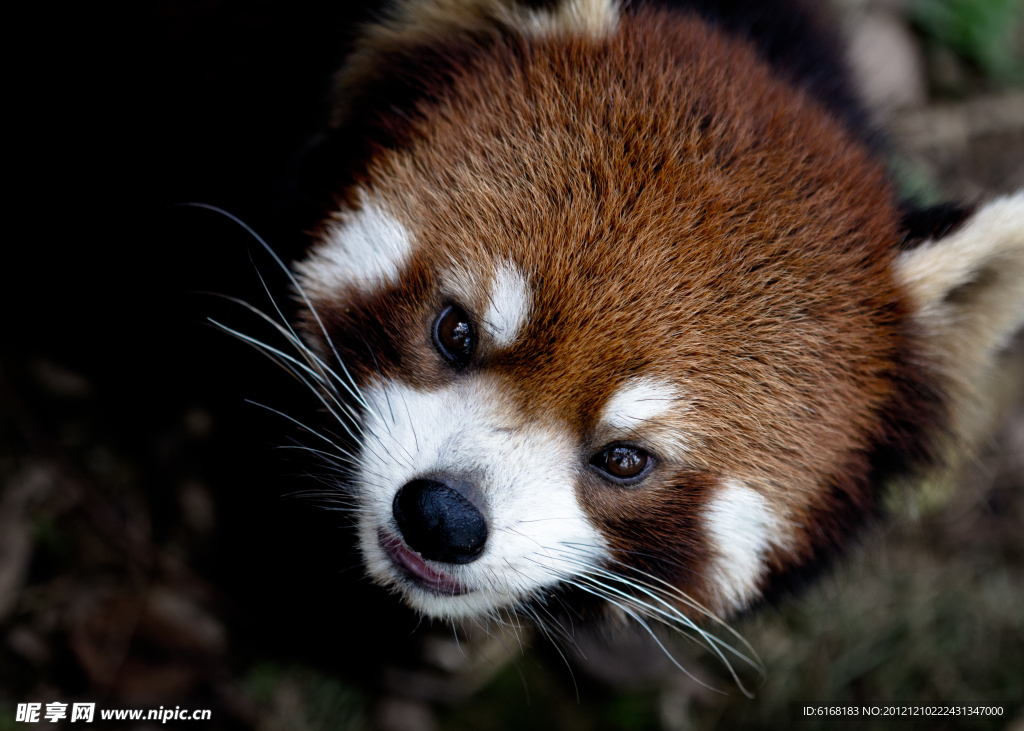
454, 335
622, 463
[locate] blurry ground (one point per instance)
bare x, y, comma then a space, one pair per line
147, 559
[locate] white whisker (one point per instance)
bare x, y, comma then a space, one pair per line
639, 620
311, 357
281, 264
669, 615
290, 364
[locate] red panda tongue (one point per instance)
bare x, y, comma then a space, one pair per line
414, 567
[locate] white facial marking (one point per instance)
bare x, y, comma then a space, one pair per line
742, 527
538, 532
637, 401
363, 248
509, 306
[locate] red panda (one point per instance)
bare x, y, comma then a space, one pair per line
617, 302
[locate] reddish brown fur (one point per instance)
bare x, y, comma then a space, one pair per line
680, 212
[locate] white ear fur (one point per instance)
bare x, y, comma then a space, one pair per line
967, 290
587, 18
596, 18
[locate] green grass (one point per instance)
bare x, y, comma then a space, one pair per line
987, 33
7, 722
915, 181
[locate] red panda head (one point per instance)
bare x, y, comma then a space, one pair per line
610, 305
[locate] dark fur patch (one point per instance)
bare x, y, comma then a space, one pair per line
921, 224
656, 529
538, 4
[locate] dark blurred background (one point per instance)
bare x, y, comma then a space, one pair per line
152, 549
146, 523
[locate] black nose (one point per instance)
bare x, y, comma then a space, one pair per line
439, 522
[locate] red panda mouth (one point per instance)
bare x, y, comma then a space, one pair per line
413, 567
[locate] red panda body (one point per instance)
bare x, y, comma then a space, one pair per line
613, 307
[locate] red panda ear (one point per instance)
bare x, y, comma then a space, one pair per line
966, 286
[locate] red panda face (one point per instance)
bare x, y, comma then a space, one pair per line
616, 308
